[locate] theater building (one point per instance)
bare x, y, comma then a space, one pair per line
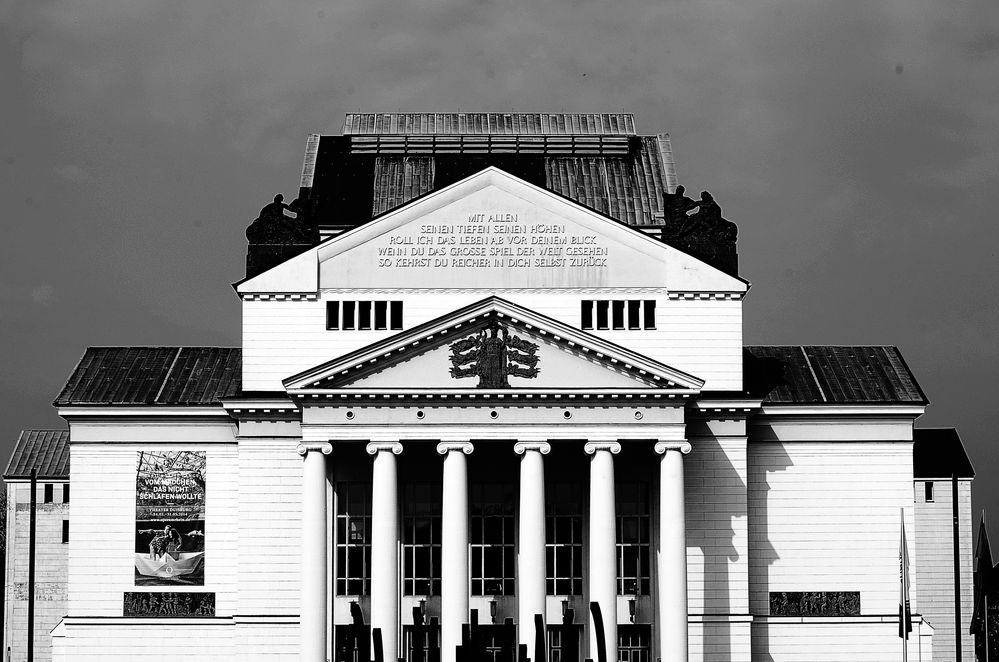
492, 394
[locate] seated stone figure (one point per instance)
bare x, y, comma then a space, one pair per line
274, 226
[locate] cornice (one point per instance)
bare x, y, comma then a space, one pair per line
279, 296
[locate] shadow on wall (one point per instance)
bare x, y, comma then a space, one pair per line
763, 459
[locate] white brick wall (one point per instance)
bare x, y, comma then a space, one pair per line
934, 545
50, 568
700, 337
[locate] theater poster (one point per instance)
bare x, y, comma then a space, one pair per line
170, 518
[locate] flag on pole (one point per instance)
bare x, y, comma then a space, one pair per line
904, 613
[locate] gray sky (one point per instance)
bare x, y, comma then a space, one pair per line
856, 144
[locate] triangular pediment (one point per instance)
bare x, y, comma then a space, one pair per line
494, 346
493, 231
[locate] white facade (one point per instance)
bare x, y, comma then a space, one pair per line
647, 432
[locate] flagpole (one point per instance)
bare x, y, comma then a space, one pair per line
903, 612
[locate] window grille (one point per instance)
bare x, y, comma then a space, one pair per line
633, 533
353, 538
421, 539
564, 539
493, 539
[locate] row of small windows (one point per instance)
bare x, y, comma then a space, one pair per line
492, 542
48, 493
363, 315
632, 314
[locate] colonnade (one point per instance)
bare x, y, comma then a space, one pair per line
601, 573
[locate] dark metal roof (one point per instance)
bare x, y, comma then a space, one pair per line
939, 453
825, 374
153, 376
45, 450
559, 124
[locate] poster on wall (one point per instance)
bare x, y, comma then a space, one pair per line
170, 518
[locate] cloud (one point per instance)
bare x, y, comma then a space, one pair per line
43, 295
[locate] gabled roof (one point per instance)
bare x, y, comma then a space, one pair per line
347, 368
830, 374
153, 376
45, 450
939, 453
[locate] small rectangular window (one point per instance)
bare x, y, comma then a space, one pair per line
332, 314
617, 313
65, 530
381, 315
364, 315
65, 493
586, 314
649, 310
602, 307
49, 488
928, 489
395, 315
348, 316
634, 314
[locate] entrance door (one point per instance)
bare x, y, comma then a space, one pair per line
633, 643
422, 643
352, 643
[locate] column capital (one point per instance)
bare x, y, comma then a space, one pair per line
323, 447
375, 446
592, 447
680, 446
522, 447
445, 447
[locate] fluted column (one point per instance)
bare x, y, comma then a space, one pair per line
313, 619
385, 545
672, 562
603, 549
454, 546
531, 544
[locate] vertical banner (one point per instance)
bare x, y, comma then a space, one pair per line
170, 518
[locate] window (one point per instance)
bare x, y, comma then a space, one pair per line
332, 315
381, 315
633, 643
634, 309
421, 539
602, 307
49, 488
586, 314
65, 530
395, 315
564, 539
493, 551
633, 549
363, 315
353, 538
65, 493
347, 323
650, 313
619, 314
928, 491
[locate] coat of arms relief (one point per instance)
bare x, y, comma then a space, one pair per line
493, 355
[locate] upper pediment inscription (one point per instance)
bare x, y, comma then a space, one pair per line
496, 239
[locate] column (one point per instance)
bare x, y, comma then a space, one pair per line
385, 545
603, 548
313, 619
671, 569
531, 545
454, 546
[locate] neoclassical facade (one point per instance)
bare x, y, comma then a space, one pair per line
492, 395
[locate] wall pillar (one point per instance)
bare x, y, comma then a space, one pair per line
531, 544
385, 545
602, 543
454, 546
672, 562
313, 619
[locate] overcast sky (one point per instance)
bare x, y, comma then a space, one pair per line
856, 144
